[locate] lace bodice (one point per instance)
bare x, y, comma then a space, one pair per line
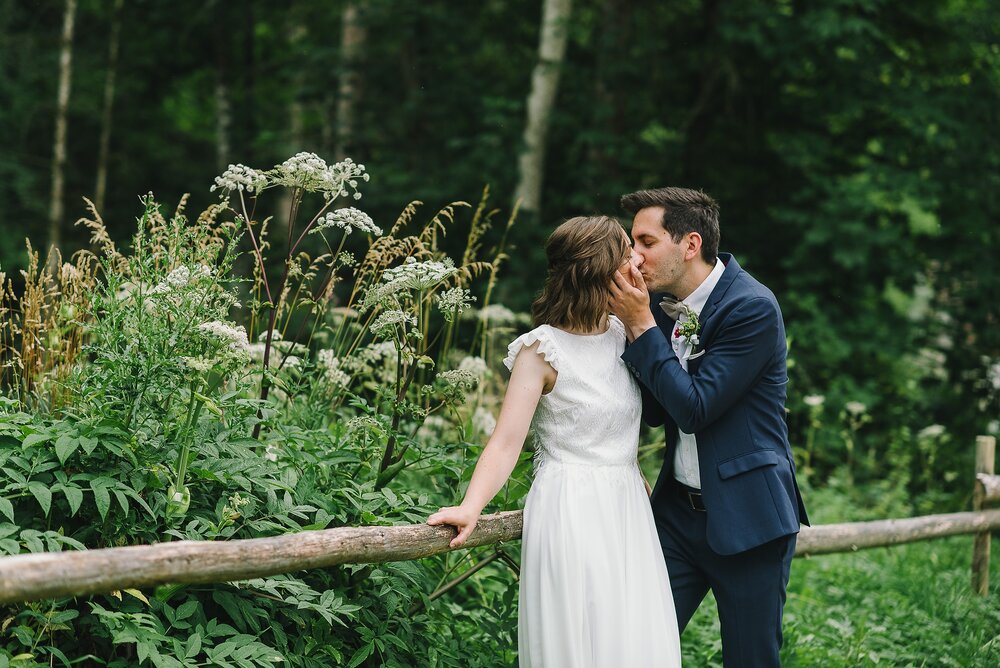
592, 414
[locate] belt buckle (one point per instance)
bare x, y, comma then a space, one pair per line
697, 507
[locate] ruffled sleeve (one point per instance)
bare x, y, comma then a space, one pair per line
546, 347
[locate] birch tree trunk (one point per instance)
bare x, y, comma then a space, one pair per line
544, 87
353, 36
59, 144
100, 188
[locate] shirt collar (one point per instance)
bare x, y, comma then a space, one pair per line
697, 299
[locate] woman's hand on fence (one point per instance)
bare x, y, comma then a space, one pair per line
462, 518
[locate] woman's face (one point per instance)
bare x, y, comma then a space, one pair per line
630, 260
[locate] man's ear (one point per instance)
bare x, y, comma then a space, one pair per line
692, 247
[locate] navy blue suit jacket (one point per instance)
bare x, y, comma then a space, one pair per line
732, 398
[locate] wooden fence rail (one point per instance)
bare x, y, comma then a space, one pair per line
30, 577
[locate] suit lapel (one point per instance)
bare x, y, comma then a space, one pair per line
714, 299
728, 276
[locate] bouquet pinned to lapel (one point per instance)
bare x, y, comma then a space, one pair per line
687, 326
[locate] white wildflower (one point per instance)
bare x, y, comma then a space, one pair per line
330, 363
235, 337
348, 219
386, 323
180, 277
311, 173
855, 408
814, 400
484, 421
458, 378
474, 365
497, 314
200, 364
993, 374
931, 432
454, 301
239, 178
411, 275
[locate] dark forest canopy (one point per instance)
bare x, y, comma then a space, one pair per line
849, 143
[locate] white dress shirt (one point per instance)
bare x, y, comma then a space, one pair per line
686, 457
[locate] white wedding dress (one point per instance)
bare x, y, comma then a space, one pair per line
594, 589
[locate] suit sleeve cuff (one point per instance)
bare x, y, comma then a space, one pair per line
650, 345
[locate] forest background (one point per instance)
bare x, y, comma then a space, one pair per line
847, 141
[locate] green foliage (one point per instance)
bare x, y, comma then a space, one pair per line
154, 441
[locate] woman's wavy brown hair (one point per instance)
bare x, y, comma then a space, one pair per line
583, 254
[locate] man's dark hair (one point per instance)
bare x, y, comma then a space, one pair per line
684, 210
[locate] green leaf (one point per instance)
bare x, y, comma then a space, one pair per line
7, 508
194, 646
88, 443
35, 439
74, 495
363, 653
122, 500
66, 445
64, 616
186, 610
42, 494
101, 497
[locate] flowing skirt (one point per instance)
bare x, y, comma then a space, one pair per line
594, 589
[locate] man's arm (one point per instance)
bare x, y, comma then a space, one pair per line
746, 342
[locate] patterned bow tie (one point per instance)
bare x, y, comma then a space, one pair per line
674, 307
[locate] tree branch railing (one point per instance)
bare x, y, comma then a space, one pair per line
29, 577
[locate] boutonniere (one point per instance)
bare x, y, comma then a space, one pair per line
688, 328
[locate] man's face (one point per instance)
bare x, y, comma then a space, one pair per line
661, 261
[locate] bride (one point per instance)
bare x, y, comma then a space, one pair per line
594, 589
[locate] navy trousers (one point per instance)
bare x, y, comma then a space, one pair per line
749, 587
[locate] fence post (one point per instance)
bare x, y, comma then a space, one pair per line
985, 454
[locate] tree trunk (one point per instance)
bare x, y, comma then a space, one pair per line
296, 127
223, 117
544, 86
100, 188
62, 108
353, 36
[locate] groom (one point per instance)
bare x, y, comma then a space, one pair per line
708, 349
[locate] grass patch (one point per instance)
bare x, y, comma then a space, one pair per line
910, 605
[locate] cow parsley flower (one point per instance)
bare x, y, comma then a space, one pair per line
235, 338
386, 323
240, 178
411, 275
311, 173
180, 277
855, 408
474, 365
348, 219
330, 364
454, 301
497, 314
484, 421
460, 378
